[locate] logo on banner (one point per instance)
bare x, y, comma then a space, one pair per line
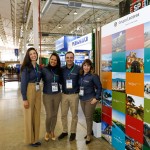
115, 24
136, 5
82, 40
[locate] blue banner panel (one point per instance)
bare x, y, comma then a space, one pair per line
16, 52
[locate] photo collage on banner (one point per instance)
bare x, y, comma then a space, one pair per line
106, 79
125, 77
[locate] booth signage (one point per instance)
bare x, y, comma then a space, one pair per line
59, 44
82, 40
138, 4
62, 43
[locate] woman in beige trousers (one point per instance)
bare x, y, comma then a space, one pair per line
31, 94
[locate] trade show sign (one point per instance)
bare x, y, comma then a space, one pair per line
62, 43
125, 53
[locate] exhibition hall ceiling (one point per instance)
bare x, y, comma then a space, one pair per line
57, 18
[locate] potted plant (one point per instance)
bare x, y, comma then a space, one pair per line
97, 122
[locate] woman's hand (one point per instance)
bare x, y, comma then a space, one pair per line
26, 104
93, 101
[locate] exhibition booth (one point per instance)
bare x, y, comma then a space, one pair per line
125, 77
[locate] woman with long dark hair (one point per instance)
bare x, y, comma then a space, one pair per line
31, 94
51, 94
90, 92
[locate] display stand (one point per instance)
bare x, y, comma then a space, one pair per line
126, 100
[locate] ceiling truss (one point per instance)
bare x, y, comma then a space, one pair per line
57, 19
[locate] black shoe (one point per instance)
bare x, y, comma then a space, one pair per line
38, 143
72, 137
91, 134
87, 142
62, 135
35, 144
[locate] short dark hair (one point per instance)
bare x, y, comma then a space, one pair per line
89, 62
69, 52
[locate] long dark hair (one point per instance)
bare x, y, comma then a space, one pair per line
58, 65
27, 60
88, 62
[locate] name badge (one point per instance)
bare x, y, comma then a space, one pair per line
81, 93
37, 86
69, 84
54, 87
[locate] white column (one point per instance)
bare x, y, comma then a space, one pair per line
35, 24
0, 55
24, 41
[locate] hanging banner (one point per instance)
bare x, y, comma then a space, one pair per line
16, 52
138, 4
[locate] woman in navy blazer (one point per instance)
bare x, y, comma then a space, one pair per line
51, 94
90, 92
31, 95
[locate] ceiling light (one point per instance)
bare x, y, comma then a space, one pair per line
78, 28
75, 13
59, 26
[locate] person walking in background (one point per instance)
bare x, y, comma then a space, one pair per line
90, 92
31, 93
51, 94
70, 96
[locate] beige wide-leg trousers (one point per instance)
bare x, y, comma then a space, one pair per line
32, 114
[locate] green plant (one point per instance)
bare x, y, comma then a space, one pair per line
97, 115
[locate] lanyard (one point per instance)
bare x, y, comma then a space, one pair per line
53, 74
70, 72
36, 72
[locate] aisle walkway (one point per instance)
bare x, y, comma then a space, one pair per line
12, 131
